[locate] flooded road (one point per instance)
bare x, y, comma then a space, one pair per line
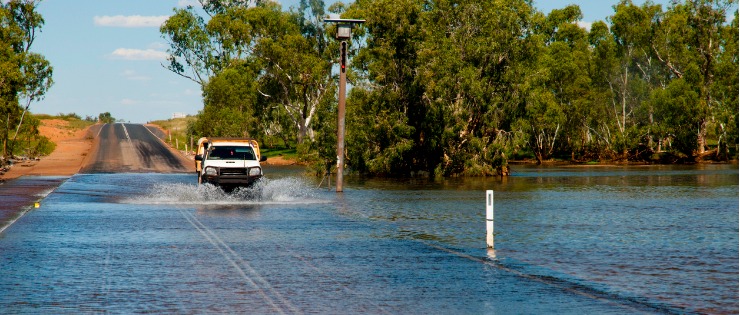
666, 236
137, 243
569, 240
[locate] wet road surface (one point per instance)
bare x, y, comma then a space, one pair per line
139, 243
126, 237
17, 196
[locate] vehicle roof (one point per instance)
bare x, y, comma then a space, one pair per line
221, 139
231, 143
211, 140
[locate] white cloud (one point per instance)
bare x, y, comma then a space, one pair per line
130, 20
138, 54
585, 25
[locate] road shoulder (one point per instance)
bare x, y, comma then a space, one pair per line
73, 148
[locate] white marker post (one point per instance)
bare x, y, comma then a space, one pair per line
489, 218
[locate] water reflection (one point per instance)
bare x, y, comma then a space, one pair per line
568, 240
666, 235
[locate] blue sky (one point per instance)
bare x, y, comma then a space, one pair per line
107, 56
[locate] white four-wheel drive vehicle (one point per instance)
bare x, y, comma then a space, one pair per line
228, 162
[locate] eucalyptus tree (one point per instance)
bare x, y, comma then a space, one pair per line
604, 67
24, 75
198, 49
230, 96
704, 31
637, 73
558, 104
291, 76
442, 85
483, 92
725, 90
682, 46
193, 53
297, 69
36, 72
474, 63
383, 109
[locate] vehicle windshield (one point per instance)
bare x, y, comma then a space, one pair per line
231, 153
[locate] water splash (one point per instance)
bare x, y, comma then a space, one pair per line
289, 190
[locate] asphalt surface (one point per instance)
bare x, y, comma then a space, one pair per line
18, 196
121, 148
157, 243
117, 148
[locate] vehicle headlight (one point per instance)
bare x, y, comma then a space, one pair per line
211, 171
255, 171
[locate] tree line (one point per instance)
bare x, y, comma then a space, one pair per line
449, 88
25, 76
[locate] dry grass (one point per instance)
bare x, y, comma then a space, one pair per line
178, 129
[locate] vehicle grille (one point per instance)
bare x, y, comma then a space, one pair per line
234, 171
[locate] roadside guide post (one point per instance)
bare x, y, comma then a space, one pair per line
489, 219
344, 33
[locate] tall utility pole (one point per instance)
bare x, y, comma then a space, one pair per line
340, 115
344, 33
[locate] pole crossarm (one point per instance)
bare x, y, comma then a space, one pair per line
347, 21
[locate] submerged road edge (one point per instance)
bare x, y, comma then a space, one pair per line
20, 195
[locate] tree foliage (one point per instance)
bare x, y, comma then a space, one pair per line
460, 87
262, 70
106, 118
25, 76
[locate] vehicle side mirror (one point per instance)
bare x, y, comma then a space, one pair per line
263, 158
199, 157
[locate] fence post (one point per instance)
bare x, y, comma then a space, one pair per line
489, 219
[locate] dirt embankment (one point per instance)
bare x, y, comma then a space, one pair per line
73, 148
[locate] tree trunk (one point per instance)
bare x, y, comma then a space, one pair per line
18, 128
701, 137
5, 136
624, 103
302, 130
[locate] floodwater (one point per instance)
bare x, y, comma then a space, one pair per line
623, 239
666, 236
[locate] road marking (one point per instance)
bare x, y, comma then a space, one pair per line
27, 209
107, 275
99, 130
21, 214
238, 262
632, 305
342, 286
126, 132
150, 131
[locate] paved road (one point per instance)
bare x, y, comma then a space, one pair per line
123, 148
155, 243
127, 237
